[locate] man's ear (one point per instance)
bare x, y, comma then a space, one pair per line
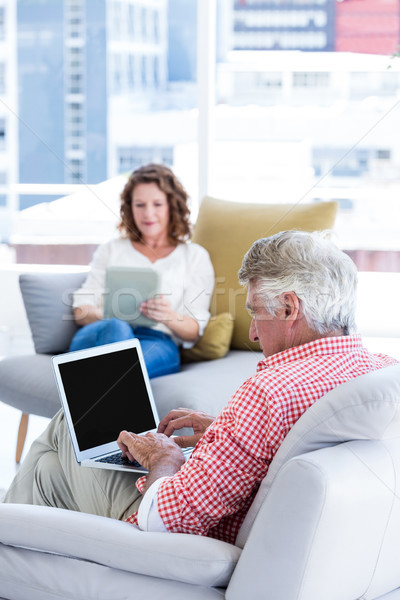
291, 306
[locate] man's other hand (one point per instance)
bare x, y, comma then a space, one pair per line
184, 417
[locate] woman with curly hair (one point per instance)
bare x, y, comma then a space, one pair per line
154, 232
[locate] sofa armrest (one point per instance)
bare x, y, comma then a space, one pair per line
328, 527
116, 544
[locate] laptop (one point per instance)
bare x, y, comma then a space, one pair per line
126, 288
104, 390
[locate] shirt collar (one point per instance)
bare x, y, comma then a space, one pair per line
328, 345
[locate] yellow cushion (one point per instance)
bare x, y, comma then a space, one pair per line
215, 341
228, 229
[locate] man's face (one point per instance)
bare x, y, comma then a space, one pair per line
269, 331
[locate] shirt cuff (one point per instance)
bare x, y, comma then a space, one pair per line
148, 517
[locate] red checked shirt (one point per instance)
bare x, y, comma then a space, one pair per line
214, 489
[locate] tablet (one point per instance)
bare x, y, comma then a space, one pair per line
126, 288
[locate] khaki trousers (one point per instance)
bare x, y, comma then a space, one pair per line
50, 476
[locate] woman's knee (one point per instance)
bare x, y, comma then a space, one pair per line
116, 326
101, 332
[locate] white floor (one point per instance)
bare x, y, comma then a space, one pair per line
9, 422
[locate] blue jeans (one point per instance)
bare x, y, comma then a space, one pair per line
161, 353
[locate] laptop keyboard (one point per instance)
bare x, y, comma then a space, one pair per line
118, 459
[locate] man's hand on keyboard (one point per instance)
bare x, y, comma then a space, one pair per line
184, 417
155, 451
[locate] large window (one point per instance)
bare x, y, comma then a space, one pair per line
2, 134
2, 22
283, 116
311, 126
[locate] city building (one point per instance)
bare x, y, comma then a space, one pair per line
344, 106
61, 54
137, 51
64, 66
114, 86
9, 122
307, 25
367, 26
371, 26
8, 97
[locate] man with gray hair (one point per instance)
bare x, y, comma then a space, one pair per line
306, 275
301, 297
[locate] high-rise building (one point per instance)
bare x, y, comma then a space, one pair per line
137, 54
370, 26
77, 61
182, 40
276, 25
61, 63
8, 104
89, 70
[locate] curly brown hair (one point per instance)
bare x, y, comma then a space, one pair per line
179, 229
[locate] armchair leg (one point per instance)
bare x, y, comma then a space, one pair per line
22, 429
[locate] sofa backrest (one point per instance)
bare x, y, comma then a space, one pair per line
365, 408
228, 229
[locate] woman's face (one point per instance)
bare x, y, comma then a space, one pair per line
150, 211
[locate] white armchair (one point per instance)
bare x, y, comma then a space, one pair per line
325, 524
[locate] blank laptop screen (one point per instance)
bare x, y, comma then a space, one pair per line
105, 394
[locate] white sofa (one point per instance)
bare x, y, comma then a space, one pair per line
323, 529
205, 384
325, 524
226, 230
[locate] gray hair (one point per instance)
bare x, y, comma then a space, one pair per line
323, 277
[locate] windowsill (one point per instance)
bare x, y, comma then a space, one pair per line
81, 253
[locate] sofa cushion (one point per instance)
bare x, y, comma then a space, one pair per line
228, 229
215, 341
47, 300
365, 408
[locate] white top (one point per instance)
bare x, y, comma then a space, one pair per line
187, 279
